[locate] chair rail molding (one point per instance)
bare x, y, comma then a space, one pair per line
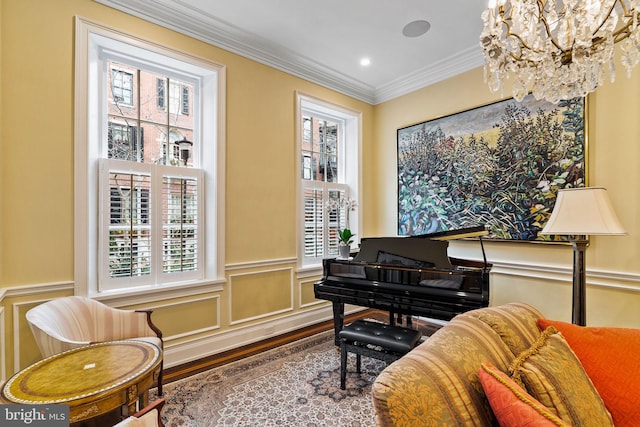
35, 289
598, 278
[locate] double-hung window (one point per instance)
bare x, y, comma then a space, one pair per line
150, 166
329, 170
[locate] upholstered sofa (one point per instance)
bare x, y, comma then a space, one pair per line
488, 367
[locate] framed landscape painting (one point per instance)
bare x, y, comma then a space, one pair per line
499, 165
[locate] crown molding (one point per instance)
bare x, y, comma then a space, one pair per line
462, 61
183, 18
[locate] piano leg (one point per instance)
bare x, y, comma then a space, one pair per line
338, 319
398, 319
395, 318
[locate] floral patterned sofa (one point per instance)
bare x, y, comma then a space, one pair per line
493, 366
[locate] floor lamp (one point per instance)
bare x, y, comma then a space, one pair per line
579, 212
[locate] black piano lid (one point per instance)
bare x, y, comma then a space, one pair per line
460, 233
431, 248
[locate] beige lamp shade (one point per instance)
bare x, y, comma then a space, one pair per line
583, 211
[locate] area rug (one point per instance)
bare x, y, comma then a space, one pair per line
297, 384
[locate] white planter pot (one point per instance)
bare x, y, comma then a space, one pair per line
344, 251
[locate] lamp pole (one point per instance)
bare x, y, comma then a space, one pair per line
579, 309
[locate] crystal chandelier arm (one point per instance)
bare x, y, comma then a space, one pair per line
543, 18
630, 17
505, 22
551, 38
625, 14
562, 47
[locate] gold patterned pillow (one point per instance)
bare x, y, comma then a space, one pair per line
514, 322
551, 372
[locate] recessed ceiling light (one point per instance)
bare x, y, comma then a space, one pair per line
365, 62
416, 28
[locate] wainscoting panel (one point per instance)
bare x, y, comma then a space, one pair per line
260, 294
202, 312
307, 297
197, 348
17, 344
25, 349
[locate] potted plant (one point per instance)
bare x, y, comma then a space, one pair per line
342, 206
345, 239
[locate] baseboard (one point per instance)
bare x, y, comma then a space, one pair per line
195, 349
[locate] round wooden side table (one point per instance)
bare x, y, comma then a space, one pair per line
93, 380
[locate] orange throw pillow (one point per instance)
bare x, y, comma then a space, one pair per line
511, 404
609, 356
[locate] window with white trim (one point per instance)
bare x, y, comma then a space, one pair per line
329, 171
149, 168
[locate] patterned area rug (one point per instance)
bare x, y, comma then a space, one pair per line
297, 384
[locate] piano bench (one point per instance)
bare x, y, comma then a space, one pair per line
377, 340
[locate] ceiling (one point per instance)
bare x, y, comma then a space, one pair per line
323, 41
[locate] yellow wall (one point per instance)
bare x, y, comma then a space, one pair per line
540, 274
264, 293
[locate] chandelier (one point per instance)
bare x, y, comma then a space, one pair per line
557, 49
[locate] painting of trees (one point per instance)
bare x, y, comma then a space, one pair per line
499, 165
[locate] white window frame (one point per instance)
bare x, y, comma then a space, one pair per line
349, 168
92, 40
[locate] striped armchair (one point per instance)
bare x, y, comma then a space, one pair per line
70, 322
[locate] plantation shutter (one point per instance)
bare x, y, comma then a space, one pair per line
323, 218
153, 214
129, 224
336, 215
180, 224
313, 223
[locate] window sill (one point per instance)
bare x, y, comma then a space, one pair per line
144, 294
309, 270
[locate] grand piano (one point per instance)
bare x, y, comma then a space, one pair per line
410, 276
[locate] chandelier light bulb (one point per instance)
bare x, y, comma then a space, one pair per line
557, 49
